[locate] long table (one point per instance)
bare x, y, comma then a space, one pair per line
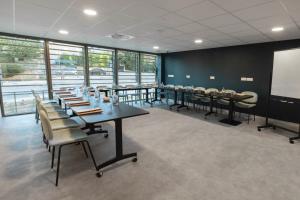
232, 98
114, 113
146, 88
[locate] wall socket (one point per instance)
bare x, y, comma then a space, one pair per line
188, 76
212, 77
170, 75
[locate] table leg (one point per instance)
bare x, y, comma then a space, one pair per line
175, 100
156, 96
230, 120
182, 101
119, 148
92, 130
211, 105
147, 97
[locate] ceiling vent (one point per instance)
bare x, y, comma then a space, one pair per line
118, 36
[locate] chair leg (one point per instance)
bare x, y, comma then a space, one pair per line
92, 155
84, 149
248, 118
53, 155
58, 165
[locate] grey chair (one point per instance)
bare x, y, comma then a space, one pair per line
224, 102
206, 100
248, 105
197, 94
62, 137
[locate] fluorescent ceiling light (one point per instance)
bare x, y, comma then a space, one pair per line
198, 41
277, 29
63, 32
90, 12
156, 47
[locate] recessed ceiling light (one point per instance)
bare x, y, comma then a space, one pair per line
156, 47
277, 29
198, 41
64, 32
90, 12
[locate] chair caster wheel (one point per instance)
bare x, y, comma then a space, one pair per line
99, 174
274, 127
106, 135
134, 160
292, 142
259, 129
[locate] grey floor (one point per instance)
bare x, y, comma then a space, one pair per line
181, 156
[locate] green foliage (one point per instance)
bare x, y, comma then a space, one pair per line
99, 60
148, 63
17, 51
69, 60
128, 60
10, 70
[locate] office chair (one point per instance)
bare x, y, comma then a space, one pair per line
63, 137
248, 104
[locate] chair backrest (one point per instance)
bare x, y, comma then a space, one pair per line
252, 100
188, 87
208, 90
46, 125
229, 91
199, 88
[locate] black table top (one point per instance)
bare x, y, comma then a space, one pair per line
110, 112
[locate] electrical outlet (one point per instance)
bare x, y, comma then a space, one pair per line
170, 75
188, 76
212, 77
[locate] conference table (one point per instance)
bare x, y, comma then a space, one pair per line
114, 113
232, 98
139, 88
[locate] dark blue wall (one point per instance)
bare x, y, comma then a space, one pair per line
228, 65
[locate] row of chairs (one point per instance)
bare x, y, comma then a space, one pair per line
248, 105
59, 129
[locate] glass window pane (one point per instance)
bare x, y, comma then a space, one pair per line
127, 68
148, 68
101, 64
67, 65
22, 68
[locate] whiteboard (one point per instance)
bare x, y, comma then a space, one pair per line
286, 74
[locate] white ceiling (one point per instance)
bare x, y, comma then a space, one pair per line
173, 25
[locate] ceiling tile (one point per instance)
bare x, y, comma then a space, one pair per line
261, 11
270, 22
52, 4
173, 5
32, 15
6, 16
232, 5
220, 20
191, 28
172, 20
200, 11
143, 10
103, 7
234, 28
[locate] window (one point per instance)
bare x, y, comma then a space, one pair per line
127, 68
22, 68
101, 67
148, 68
67, 63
